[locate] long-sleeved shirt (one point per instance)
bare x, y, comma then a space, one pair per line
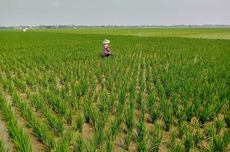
106, 51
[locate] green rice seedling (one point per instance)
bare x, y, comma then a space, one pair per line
206, 113
69, 118
87, 111
217, 144
178, 148
36, 102
217, 108
115, 125
79, 145
160, 90
119, 109
210, 131
98, 137
129, 117
5, 83
128, 139
43, 83
227, 119
188, 140
189, 109
155, 113
139, 100
76, 90
18, 135
168, 117
30, 82
94, 116
114, 128
174, 147
219, 125
83, 87
132, 102
20, 138
197, 103
132, 96
111, 101
141, 133
53, 121
103, 106
155, 139
63, 93
150, 101
100, 120
226, 139
121, 97
181, 116
197, 138
90, 147
147, 78
141, 78
132, 87
64, 143
182, 128
173, 138
109, 143
142, 86
79, 123
40, 129
2, 148
148, 86
58, 105
19, 85
175, 107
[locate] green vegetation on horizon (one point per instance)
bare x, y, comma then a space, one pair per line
204, 33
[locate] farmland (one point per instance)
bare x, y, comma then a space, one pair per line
162, 90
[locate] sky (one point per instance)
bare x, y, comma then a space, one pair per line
114, 12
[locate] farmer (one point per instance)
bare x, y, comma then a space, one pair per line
106, 52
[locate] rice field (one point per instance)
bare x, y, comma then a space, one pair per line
161, 90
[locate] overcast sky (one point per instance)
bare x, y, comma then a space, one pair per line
115, 12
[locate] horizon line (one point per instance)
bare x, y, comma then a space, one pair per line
116, 25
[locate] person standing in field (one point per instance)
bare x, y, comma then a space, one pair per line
106, 52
